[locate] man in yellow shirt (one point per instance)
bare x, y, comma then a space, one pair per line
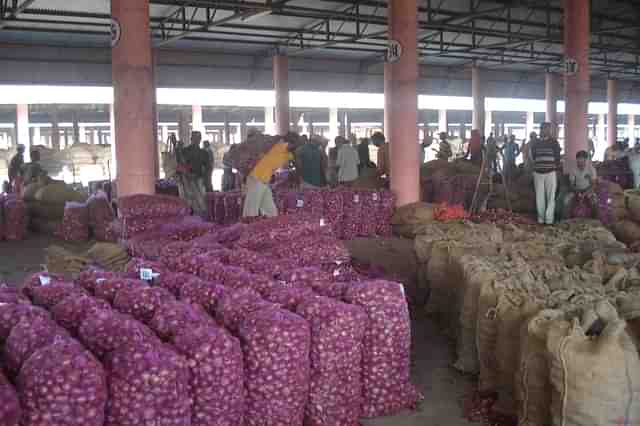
259, 198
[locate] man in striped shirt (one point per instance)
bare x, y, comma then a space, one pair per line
545, 154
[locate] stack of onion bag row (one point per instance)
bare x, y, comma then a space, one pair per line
141, 213
151, 358
526, 323
14, 218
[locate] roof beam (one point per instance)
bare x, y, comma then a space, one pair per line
14, 12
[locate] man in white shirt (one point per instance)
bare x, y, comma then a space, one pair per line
347, 163
634, 163
582, 180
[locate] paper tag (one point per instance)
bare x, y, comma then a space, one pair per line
44, 280
300, 204
401, 289
100, 280
336, 273
339, 262
375, 196
146, 274
322, 223
356, 198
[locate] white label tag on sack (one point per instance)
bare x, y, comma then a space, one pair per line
100, 280
146, 274
44, 280
336, 273
402, 289
300, 204
322, 223
356, 198
375, 196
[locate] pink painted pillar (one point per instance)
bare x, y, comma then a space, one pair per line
612, 116
477, 90
22, 130
134, 98
578, 84
401, 100
281, 87
551, 89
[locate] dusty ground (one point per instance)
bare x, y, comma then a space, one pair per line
431, 372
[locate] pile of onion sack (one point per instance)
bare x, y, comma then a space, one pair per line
142, 213
75, 222
15, 218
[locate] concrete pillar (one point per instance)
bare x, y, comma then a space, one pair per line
184, 135
281, 87
631, 126
443, 124
227, 129
334, 125
578, 83
343, 125
552, 91
242, 128
403, 103
82, 134
347, 125
477, 90
196, 120
488, 124
36, 135
165, 134
95, 139
530, 123
387, 99
602, 132
134, 97
113, 167
22, 129
75, 128
269, 123
55, 130
612, 116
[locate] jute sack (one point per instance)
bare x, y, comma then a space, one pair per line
533, 388
605, 395
626, 231
424, 243
513, 310
409, 220
487, 334
629, 307
632, 201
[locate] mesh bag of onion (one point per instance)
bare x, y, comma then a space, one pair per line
148, 385
217, 380
203, 293
337, 332
232, 207
100, 216
15, 219
173, 317
173, 281
90, 278
314, 202
29, 335
236, 305
141, 302
370, 206
75, 222
38, 279
276, 345
73, 310
107, 289
141, 205
62, 384
288, 297
10, 411
11, 314
334, 210
105, 330
352, 214
49, 295
385, 213
387, 347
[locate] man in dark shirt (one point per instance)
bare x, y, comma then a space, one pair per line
363, 154
208, 168
545, 154
15, 167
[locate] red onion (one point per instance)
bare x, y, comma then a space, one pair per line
73, 310
62, 384
173, 317
37, 279
16, 219
337, 332
141, 205
275, 344
75, 222
387, 347
203, 293
107, 289
385, 213
352, 214
370, 205
236, 305
49, 295
89, 279
11, 314
217, 377
100, 216
134, 266
10, 411
288, 297
334, 210
189, 228
173, 281
141, 302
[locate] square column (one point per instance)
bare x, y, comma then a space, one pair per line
602, 128
196, 120
22, 130
281, 87
334, 125
269, 123
612, 116
114, 158
443, 124
477, 90
631, 126
488, 124
551, 90
530, 123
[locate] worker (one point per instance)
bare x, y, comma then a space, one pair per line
474, 148
633, 156
526, 151
510, 151
228, 176
444, 148
259, 198
310, 164
384, 165
363, 153
592, 148
208, 166
582, 179
32, 171
491, 155
191, 172
545, 154
15, 169
347, 163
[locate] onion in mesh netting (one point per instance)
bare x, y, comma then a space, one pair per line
353, 214
385, 213
334, 290
212, 270
11, 314
210, 241
141, 205
337, 332
387, 347
75, 222
62, 384
89, 279
10, 295
230, 234
105, 331
37, 279
100, 215
288, 297
370, 206
107, 289
313, 250
217, 379
193, 261
49, 295
148, 245
275, 344
141, 302
189, 228
173, 281
334, 210
133, 267
29, 335
148, 385
10, 411
73, 310
171, 254
235, 305
203, 293
252, 261
314, 202
16, 219
173, 317
306, 277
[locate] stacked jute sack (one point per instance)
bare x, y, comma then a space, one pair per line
531, 326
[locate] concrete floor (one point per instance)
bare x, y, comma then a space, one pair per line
442, 386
